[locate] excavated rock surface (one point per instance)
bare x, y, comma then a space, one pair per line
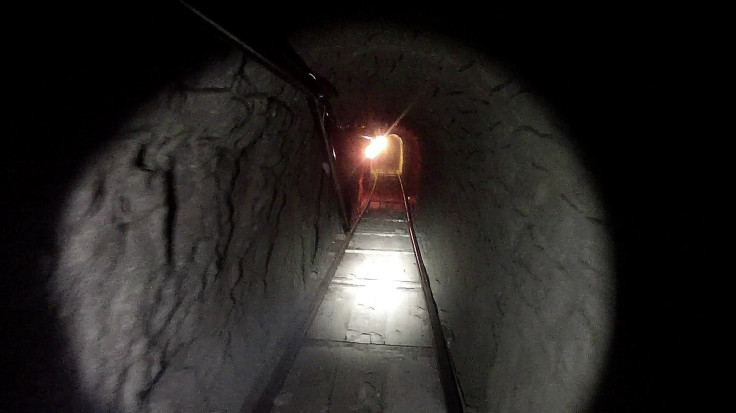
191, 244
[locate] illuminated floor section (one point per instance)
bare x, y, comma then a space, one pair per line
369, 348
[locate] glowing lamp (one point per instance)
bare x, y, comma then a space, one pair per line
377, 145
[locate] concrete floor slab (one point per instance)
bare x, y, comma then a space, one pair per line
309, 385
328, 377
374, 241
393, 267
369, 348
382, 225
394, 316
333, 315
413, 385
385, 214
407, 321
360, 381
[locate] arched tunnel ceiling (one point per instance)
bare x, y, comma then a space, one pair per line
614, 77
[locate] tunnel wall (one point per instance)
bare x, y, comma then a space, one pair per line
192, 243
513, 237
519, 263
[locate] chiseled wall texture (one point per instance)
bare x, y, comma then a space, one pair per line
191, 244
513, 236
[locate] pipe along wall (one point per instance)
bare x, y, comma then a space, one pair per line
188, 244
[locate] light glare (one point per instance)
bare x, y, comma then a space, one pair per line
377, 145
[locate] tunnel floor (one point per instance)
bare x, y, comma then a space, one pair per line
369, 348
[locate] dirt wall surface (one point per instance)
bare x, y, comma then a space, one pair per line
192, 241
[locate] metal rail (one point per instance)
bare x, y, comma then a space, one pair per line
264, 402
289, 66
448, 375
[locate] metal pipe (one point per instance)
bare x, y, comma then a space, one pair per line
294, 71
320, 113
448, 376
306, 84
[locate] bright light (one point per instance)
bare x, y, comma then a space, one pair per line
381, 275
377, 145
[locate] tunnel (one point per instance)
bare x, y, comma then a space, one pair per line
177, 214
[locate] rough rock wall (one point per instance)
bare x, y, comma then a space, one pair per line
511, 232
193, 241
519, 256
